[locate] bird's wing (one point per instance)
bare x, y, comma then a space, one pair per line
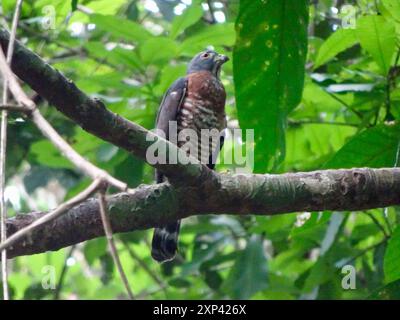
170, 105
168, 110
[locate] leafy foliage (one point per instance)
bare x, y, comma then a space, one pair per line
249, 273
319, 93
272, 81
391, 269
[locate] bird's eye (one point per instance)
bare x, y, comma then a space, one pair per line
205, 55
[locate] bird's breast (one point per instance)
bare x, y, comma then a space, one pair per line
203, 108
205, 87
197, 116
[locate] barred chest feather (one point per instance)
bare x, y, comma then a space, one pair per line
203, 108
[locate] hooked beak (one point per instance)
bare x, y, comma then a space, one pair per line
221, 59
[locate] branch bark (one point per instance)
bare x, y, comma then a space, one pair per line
154, 205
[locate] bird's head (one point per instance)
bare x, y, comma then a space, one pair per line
207, 61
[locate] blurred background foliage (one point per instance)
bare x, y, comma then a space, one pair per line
340, 111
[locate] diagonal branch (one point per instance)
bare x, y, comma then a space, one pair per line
92, 115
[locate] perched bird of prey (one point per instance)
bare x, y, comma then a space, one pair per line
196, 101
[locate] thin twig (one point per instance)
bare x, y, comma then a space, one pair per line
361, 253
388, 103
3, 151
64, 207
358, 113
14, 107
377, 223
111, 244
335, 123
3, 208
12, 83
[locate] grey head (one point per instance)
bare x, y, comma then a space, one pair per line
207, 60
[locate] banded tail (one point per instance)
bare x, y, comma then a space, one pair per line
165, 242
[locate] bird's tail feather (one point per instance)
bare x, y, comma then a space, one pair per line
165, 242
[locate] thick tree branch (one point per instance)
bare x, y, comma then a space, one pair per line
92, 115
154, 205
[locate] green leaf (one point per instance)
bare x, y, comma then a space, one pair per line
95, 249
321, 272
120, 28
391, 264
106, 152
158, 50
249, 273
168, 75
189, 17
104, 7
274, 227
134, 166
268, 64
213, 279
74, 5
132, 12
388, 292
393, 8
376, 147
46, 154
203, 251
107, 268
337, 42
377, 36
312, 232
98, 83
116, 56
179, 283
36, 292
215, 35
